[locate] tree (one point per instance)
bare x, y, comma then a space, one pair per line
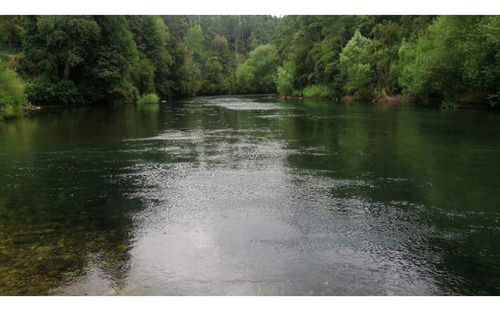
244, 78
152, 38
455, 56
304, 50
116, 57
68, 40
10, 32
256, 74
57, 53
89, 59
284, 79
194, 42
189, 73
356, 66
218, 68
482, 54
143, 76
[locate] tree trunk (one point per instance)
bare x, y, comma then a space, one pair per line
67, 69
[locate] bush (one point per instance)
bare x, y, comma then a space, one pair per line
317, 90
124, 92
148, 99
63, 92
449, 105
12, 97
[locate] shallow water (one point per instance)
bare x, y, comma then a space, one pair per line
250, 196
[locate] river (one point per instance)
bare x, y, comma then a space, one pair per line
247, 195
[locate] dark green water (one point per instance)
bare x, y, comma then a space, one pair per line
244, 196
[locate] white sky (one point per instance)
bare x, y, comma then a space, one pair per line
255, 7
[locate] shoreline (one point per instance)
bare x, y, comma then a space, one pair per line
395, 100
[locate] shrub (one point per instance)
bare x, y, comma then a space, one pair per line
317, 90
449, 105
148, 99
12, 97
63, 92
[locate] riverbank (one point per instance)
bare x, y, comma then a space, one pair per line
466, 102
469, 102
390, 100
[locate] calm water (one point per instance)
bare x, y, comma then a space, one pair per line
248, 196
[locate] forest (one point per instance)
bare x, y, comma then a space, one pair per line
450, 61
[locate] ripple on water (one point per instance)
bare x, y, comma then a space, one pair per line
238, 104
210, 200
259, 221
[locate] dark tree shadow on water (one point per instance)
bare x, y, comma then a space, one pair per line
62, 212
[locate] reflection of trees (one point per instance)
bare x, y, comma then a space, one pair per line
59, 211
436, 164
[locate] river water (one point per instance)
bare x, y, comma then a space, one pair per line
250, 196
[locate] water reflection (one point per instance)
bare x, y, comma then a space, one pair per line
59, 218
247, 196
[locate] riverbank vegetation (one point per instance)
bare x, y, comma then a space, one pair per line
83, 60
148, 99
12, 98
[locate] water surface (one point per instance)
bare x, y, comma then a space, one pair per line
250, 196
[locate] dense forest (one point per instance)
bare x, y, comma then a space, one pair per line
83, 60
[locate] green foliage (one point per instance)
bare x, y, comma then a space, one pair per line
143, 76
356, 66
387, 38
213, 60
315, 90
449, 105
284, 79
88, 59
57, 47
148, 99
239, 30
62, 92
215, 81
191, 75
482, 61
117, 56
57, 50
456, 55
67, 40
304, 50
432, 63
12, 97
10, 32
194, 41
152, 38
257, 73
78, 59
313, 44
